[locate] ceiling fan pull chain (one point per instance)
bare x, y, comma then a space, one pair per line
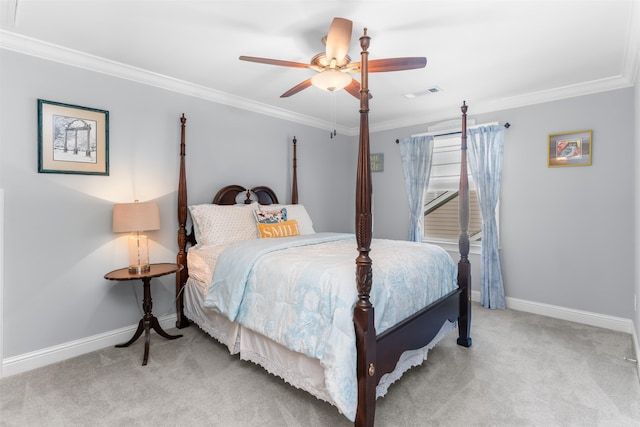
333, 115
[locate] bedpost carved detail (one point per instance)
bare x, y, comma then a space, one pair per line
463, 207
464, 266
294, 187
363, 313
181, 276
247, 197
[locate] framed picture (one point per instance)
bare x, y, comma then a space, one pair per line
570, 149
72, 139
377, 162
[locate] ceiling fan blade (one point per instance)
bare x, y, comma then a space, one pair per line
274, 62
396, 64
391, 64
353, 89
338, 40
297, 88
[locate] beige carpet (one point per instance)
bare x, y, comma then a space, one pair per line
523, 370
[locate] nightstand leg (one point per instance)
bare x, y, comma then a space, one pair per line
156, 327
135, 336
148, 322
146, 342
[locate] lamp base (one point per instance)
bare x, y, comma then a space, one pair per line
138, 254
139, 269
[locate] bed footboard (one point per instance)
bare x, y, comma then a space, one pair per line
416, 331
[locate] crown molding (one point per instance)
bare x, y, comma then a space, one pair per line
630, 73
41, 49
632, 49
51, 52
491, 105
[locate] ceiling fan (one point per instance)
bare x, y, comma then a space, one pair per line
334, 65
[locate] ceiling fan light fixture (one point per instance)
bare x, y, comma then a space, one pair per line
331, 80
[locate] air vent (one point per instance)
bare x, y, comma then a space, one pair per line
432, 89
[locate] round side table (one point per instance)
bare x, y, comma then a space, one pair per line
148, 321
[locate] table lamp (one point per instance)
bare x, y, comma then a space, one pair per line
135, 218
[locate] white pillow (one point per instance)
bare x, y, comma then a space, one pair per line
222, 224
201, 261
299, 213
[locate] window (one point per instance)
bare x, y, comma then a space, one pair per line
441, 224
441, 216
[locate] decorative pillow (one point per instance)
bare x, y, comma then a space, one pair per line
278, 229
222, 224
297, 212
270, 216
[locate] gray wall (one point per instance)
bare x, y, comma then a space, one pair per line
636, 192
567, 234
560, 243
58, 235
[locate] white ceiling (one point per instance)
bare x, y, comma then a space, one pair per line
493, 54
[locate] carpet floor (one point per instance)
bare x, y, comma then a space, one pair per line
522, 370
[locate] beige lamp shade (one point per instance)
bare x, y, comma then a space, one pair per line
128, 217
135, 218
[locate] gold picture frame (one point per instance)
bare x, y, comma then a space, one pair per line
570, 148
72, 139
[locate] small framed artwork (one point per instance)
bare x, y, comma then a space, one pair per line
570, 149
72, 139
377, 162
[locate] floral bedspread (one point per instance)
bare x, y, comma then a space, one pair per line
300, 292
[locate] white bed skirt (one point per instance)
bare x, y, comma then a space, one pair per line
295, 368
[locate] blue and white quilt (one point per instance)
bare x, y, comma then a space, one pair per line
300, 292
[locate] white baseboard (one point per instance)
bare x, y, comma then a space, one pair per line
636, 345
36, 359
618, 324
26, 362
585, 317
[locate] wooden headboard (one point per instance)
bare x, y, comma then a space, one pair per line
226, 196
229, 195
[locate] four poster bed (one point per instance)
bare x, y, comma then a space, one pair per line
313, 326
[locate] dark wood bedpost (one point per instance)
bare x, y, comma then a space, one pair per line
464, 267
294, 187
363, 314
181, 276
